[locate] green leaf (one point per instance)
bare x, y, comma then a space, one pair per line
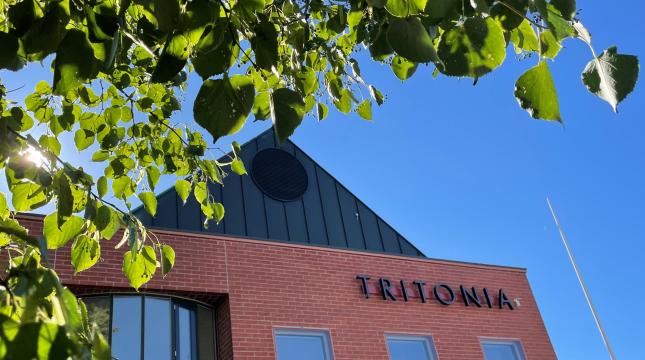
152, 175
535, 92
183, 188
74, 63
507, 17
173, 58
565, 7
167, 259
523, 38
100, 155
265, 44
321, 111
4, 209
262, 106
306, 80
215, 52
59, 236
50, 143
409, 38
557, 22
222, 105
107, 222
287, 111
376, 95
218, 211
549, 44
405, 8
86, 251
45, 35
27, 196
139, 269
12, 56
200, 192
472, 49
611, 76
102, 186
402, 68
344, 101
364, 109
122, 187
83, 138
149, 201
65, 196
237, 166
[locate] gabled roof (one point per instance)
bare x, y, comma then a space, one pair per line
327, 214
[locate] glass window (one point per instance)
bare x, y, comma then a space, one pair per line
186, 341
126, 327
502, 350
98, 312
158, 329
206, 331
406, 347
154, 328
292, 344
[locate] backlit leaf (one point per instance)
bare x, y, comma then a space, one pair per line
222, 105
59, 236
402, 68
409, 38
74, 63
535, 92
287, 111
167, 259
183, 188
85, 252
405, 8
140, 268
472, 49
149, 201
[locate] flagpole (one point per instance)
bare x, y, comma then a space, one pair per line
581, 281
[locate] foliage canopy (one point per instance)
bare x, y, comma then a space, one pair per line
120, 67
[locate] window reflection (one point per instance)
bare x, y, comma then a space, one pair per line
404, 347
98, 312
158, 325
186, 340
206, 332
154, 328
502, 350
126, 328
292, 344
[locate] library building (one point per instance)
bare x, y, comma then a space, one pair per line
301, 269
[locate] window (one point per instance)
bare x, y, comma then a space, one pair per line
292, 344
502, 350
406, 347
152, 327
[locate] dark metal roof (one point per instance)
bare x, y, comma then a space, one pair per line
325, 214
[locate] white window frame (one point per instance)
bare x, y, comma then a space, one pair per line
426, 339
514, 343
322, 334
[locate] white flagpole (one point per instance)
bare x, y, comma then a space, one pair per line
582, 283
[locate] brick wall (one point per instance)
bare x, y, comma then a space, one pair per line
270, 285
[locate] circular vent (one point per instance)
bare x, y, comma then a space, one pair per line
279, 174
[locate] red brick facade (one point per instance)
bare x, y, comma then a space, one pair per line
257, 286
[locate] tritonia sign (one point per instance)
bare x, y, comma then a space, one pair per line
442, 293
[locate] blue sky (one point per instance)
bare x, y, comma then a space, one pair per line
466, 173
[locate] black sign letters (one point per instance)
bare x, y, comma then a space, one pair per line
444, 294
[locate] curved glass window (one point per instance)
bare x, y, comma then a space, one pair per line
153, 327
